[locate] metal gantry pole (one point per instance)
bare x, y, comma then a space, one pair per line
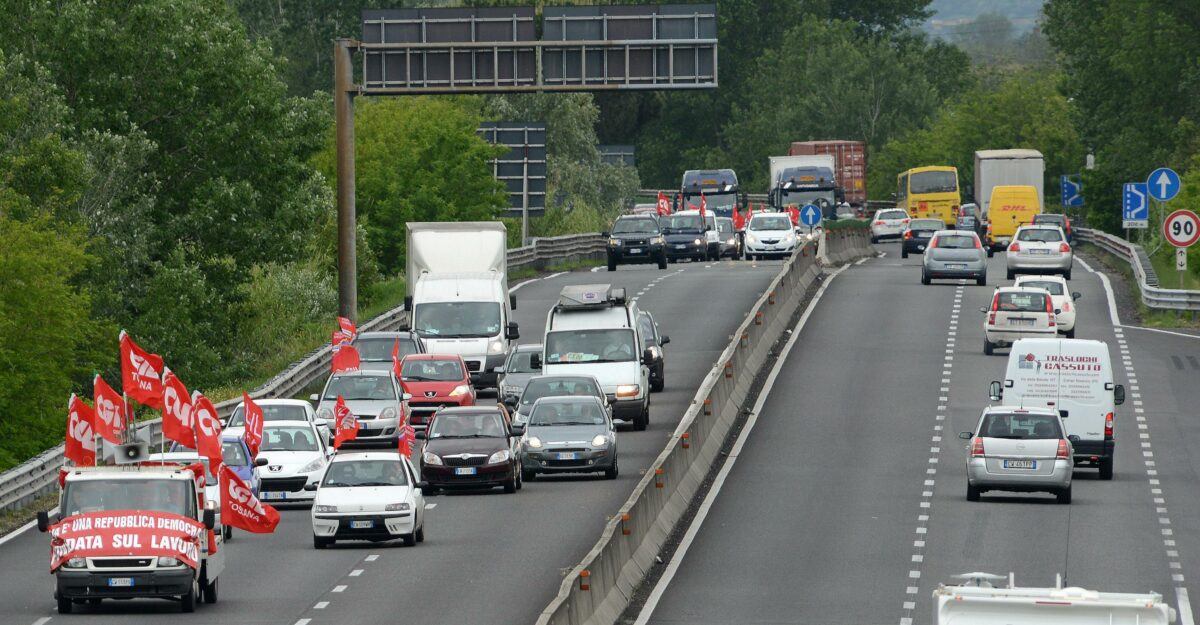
343, 94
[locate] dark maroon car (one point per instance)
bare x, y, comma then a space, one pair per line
472, 447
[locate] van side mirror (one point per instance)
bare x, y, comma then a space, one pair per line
408, 303
1075, 295
210, 518
43, 521
1058, 311
664, 340
535, 361
422, 485
260, 462
512, 332
994, 391
512, 301
1119, 394
419, 434
500, 369
1063, 414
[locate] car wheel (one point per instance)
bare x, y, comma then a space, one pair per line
988, 348
520, 480
64, 604
528, 476
611, 472
210, 592
1067, 275
227, 532
1010, 274
187, 602
642, 420
510, 486
874, 239
1106, 468
656, 386
1064, 495
981, 281
924, 278
991, 252
903, 252
1070, 333
612, 264
972, 493
421, 533
409, 539
321, 543
662, 262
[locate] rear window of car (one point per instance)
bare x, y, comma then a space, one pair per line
1020, 426
1057, 220
1040, 235
1055, 288
954, 242
539, 388
891, 214
1021, 302
926, 224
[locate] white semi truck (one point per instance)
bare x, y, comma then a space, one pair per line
979, 601
1007, 168
458, 299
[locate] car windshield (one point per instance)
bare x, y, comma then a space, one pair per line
270, 413
431, 371
680, 222
457, 319
771, 222
635, 226
232, 454
520, 362
283, 438
380, 349
715, 202
1055, 288
725, 226
1020, 426
891, 214
1057, 220
608, 345
1040, 235
926, 224
646, 325
361, 387
954, 242
557, 387
553, 413
351, 473
933, 182
1021, 302
160, 495
471, 425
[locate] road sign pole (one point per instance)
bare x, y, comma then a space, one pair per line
343, 96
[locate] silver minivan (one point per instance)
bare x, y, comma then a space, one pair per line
1019, 449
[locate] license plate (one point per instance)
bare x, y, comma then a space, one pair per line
635, 250
464, 471
566, 455
361, 525
1020, 464
681, 247
1039, 251
274, 494
120, 582
1020, 322
955, 266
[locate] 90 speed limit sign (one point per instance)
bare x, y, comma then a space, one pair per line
1181, 228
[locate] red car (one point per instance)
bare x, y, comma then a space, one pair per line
435, 381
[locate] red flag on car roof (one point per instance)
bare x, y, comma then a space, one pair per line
110, 411
664, 204
141, 373
241, 509
254, 425
346, 424
703, 206
347, 328
794, 213
177, 411
207, 428
345, 355
81, 440
739, 222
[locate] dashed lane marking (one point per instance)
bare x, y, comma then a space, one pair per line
356, 572
371, 558
341, 588
321, 605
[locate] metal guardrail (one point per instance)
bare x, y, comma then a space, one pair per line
38, 475
871, 207
597, 591
1153, 296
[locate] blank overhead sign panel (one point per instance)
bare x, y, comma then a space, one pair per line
523, 168
411, 51
618, 154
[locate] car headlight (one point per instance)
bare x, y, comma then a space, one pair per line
789, 237
752, 239
497, 347
325, 414
534, 442
460, 390
167, 561
698, 242
397, 507
324, 509
628, 390
387, 413
599, 440
501, 456
658, 240
731, 241
315, 465
76, 563
431, 458
614, 242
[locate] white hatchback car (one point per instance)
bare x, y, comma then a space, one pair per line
296, 456
888, 223
368, 496
770, 234
1064, 299
1039, 249
1017, 313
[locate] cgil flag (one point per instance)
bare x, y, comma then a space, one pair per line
408, 439
347, 327
81, 439
141, 373
207, 428
345, 423
110, 411
241, 509
663, 207
254, 425
177, 411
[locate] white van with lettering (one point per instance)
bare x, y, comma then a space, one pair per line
1074, 377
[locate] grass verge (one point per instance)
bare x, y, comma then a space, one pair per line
1150, 317
14, 519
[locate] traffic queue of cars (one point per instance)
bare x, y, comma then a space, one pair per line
1057, 402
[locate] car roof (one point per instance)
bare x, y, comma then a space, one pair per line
1039, 227
476, 409
277, 402
359, 373
342, 456
289, 423
386, 335
1020, 289
530, 347
454, 357
965, 233
1019, 410
574, 376
1041, 278
638, 216
566, 399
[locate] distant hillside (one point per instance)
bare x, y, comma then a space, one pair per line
949, 14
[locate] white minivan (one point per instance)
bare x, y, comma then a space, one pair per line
1074, 377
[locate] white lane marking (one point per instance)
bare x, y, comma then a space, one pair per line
371, 558
321, 605
1185, 606
689, 536
862, 260
304, 621
46, 619
1189, 336
356, 572
595, 269
531, 280
339, 589
21, 530
1112, 300
430, 506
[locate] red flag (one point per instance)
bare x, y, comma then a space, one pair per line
241, 509
141, 373
207, 428
254, 425
339, 339
794, 213
664, 205
703, 205
345, 358
396, 359
345, 423
110, 411
81, 441
739, 222
347, 328
408, 437
177, 411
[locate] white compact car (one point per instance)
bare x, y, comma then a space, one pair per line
371, 496
888, 223
1064, 299
770, 235
296, 455
1039, 249
1016, 313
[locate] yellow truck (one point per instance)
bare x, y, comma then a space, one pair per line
1011, 206
930, 192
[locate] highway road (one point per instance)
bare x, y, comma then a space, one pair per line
846, 505
488, 557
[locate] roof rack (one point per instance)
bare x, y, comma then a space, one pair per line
590, 297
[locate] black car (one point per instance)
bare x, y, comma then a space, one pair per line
636, 239
654, 343
917, 234
686, 236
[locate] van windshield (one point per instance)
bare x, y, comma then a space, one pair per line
160, 495
607, 345
1020, 426
456, 320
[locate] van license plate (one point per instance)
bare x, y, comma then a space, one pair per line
120, 582
274, 494
464, 471
361, 525
567, 455
635, 250
1020, 464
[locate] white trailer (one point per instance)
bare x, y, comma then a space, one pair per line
977, 601
1008, 167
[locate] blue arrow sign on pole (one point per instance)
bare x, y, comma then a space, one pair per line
810, 215
1164, 184
1072, 191
1136, 206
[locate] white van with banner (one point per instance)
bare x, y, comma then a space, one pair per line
980, 600
1074, 377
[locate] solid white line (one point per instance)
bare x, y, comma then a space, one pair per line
694, 528
1185, 606
430, 506
46, 619
1112, 300
1190, 336
21, 530
553, 275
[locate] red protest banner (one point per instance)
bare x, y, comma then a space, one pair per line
126, 533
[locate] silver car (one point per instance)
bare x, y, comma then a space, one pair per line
517, 371
1040, 249
375, 348
569, 435
954, 254
374, 397
1019, 449
553, 386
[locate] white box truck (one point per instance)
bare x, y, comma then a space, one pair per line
1007, 168
801, 180
458, 299
978, 602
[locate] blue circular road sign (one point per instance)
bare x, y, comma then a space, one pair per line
810, 215
1164, 184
